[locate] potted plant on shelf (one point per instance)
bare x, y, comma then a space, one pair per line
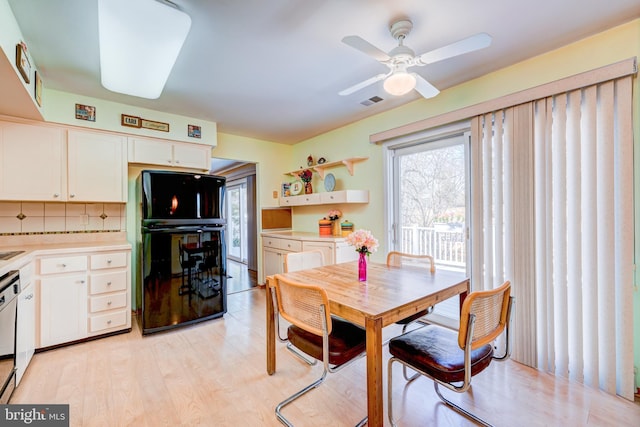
334, 215
306, 176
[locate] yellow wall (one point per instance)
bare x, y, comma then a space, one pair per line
602, 49
59, 107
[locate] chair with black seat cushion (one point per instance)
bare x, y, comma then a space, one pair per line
331, 340
451, 359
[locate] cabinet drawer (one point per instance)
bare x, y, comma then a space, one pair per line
63, 264
108, 321
107, 302
110, 260
26, 273
304, 199
345, 196
284, 244
108, 282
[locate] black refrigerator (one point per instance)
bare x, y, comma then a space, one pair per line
181, 248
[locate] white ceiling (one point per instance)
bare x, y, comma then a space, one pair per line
272, 69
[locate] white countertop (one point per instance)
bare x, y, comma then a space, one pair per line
31, 251
302, 235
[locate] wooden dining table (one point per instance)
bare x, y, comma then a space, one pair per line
389, 294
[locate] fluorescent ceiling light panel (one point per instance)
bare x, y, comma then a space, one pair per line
139, 43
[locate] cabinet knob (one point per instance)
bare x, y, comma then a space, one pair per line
63, 265
177, 161
108, 302
72, 195
169, 161
108, 283
108, 322
108, 261
81, 281
56, 195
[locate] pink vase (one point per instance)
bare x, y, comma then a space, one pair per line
362, 267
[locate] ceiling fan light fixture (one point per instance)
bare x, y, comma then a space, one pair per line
399, 83
139, 43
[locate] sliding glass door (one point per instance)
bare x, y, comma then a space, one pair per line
429, 193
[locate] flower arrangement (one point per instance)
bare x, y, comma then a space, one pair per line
364, 241
306, 175
334, 214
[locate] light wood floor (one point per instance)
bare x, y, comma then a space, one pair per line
213, 374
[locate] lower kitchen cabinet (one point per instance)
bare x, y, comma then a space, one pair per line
83, 295
275, 248
274, 251
25, 322
63, 309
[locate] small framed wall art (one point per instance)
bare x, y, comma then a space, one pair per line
194, 131
22, 62
131, 121
38, 89
85, 112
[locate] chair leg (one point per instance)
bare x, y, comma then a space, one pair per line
300, 355
405, 371
305, 390
458, 408
296, 395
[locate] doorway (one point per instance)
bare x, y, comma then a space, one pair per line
237, 220
429, 193
241, 216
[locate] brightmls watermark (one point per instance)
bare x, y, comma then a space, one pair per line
34, 415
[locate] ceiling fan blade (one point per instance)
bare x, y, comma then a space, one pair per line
424, 88
475, 42
363, 84
364, 46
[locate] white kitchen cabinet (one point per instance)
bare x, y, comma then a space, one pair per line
328, 250
83, 295
274, 251
25, 322
97, 167
43, 163
32, 162
109, 292
168, 153
63, 309
345, 253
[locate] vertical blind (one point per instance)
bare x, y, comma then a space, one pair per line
552, 211
584, 235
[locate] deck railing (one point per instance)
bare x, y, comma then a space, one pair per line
446, 247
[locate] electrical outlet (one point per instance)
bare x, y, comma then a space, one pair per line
275, 194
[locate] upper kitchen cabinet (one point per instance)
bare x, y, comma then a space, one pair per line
169, 153
32, 160
97, 167
40, 163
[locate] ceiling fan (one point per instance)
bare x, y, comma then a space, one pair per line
398, 81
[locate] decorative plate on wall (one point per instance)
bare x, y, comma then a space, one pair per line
329, 182
296, 188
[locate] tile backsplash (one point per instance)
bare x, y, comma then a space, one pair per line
45, 217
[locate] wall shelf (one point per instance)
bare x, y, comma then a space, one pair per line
320, 169
327, 198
